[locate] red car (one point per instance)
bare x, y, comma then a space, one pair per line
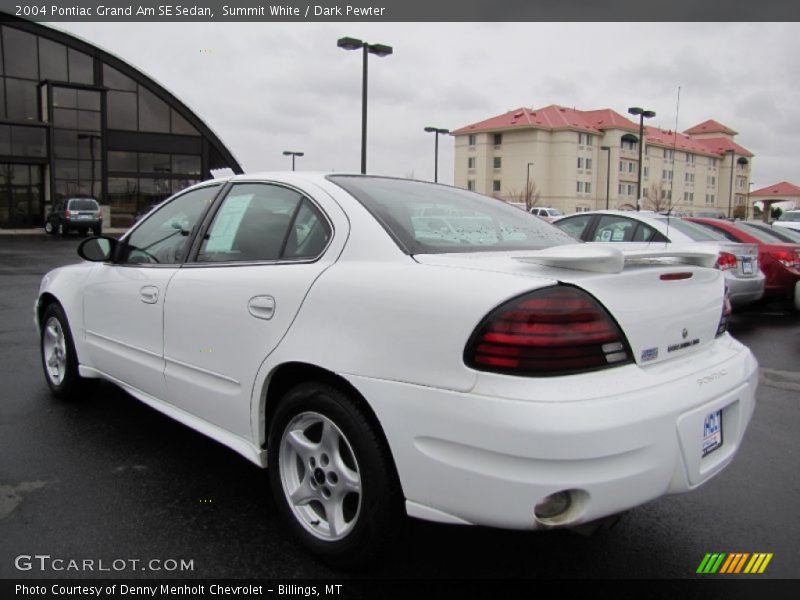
779, 261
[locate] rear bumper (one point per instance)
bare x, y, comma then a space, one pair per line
617, 438
744, 291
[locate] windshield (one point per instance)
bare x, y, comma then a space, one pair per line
790, 216
696, 232
426, 218
83, 204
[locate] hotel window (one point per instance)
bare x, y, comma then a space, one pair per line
471, 185
497, 162
631, 167
690, 158
711, 180
644, 193
688, 177
666, 174
630, 189
471, 139
498, 139
688, 197
496, 185
585, 139
621, 189
621, 166
712, 162
646, 172
670, 154
580, 162
471, 162
588, 164
580, 187
587, 187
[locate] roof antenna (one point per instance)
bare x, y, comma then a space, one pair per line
670, 205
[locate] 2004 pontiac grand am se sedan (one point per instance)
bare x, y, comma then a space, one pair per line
492, 372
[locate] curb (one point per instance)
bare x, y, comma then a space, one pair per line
38, 231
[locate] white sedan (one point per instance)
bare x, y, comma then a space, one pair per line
509, 377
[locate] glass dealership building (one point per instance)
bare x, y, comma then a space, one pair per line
78, 121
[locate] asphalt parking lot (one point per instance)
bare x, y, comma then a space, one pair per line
109, 478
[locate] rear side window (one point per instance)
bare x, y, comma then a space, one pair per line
83, 204
263, 222
426, 218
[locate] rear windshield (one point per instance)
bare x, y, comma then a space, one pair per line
83, 204
765, 236
782, 233
426, 218
696, 232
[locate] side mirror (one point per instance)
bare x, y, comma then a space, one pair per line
98, 249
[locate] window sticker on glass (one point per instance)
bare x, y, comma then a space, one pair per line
605, 236
227, 223
618, 236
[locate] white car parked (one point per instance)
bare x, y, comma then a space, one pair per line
311, 323
789, 219
645, 229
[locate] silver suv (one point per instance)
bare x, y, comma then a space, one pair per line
75, 214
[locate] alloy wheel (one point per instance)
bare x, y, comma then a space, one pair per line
54, 347
320, 476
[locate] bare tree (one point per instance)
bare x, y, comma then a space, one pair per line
529, 196
658, 199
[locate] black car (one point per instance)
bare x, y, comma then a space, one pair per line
78, 214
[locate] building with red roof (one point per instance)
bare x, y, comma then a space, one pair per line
784, 194
577, 160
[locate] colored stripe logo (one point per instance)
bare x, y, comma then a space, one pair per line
734, 563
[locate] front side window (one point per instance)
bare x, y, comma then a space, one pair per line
163, 237
425, 218
263, 222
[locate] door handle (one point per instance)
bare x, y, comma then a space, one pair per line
261, 307
149, 294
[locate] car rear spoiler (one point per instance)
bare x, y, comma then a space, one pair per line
607, 259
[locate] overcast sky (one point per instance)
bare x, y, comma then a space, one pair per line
269, 87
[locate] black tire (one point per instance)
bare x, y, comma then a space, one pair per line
70, 384
377, 513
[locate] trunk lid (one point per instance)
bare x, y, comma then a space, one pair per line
668, 303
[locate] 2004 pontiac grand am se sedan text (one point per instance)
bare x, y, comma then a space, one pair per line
490, 372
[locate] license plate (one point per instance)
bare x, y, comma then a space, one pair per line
712, 432
747, 267
84, 216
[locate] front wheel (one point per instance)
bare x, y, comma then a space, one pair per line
333, 479
59, 359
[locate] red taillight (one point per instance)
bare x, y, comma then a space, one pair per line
788, 258
552, 331
67, 214
726, 261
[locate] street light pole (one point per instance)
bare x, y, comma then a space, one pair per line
730, 191
348, 43
643, 114
293, 154
528, 187
437, 131
608, 172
